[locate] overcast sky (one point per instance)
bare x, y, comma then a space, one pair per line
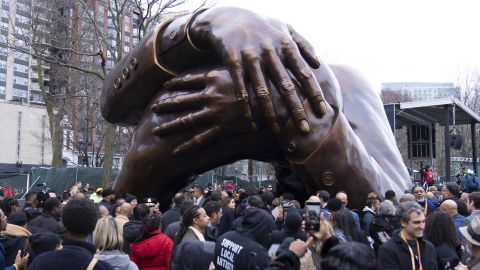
421, 40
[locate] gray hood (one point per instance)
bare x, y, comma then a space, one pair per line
117, 260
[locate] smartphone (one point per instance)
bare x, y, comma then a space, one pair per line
312, 216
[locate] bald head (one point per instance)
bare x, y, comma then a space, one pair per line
342, 197
449, 207
179, 199
125, 209
314, 199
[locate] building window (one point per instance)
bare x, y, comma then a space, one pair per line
3, 51
2, 90
19, 80
3, 77
3, 64
6, 2
22, 19
20, 93
20, 67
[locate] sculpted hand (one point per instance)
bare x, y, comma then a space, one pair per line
210, 104
251, 46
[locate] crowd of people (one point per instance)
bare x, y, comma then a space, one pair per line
241, 229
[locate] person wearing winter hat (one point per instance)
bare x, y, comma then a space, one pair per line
244, 248
108, 200
292, 227
43, 242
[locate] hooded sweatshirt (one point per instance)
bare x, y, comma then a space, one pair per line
13, 239
243, 248
117, 260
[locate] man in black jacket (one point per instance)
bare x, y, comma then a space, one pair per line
173, 214
407, 246
49, 221
243, 248
79, 220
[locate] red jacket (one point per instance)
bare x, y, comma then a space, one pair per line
152, 253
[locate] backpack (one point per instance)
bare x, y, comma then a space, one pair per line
471, 182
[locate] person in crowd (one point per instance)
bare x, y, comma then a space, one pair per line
451, 191
391, 196
344, 198
345, 228
334, 205
132, 200
199, 199
267, 198
464, 197
30, 206
408, 197
108, 240
174, 227
193, 224
440, 231
86, 188
450, 207
473, 206
43, 242
49, 221
123, 216
173, 214
370, 210
131, 229
471, 233
407, 249
153, 249
214, 213
230, 202
102, 210
383, 225
324, 198
79, 218
96, 196
193, 255
108, 200
430, 196
276, 204
76, 188
324, 240
228, 214
65, 197
15, 237
427, 205
10, 205
244, 248
427, 176
292, 227
20, 259
352, 256
255, 201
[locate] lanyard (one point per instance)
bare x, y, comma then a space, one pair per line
412, 255
425, 209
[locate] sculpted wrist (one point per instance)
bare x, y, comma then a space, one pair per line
175, 42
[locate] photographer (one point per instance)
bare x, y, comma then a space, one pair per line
49, 221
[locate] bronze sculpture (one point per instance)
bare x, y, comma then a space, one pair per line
336, 136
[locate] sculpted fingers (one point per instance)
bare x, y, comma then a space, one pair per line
306, 49
185, 122
201, 139
185, 82
261, 89
180, 102
287, 90
306, 78
235, 67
